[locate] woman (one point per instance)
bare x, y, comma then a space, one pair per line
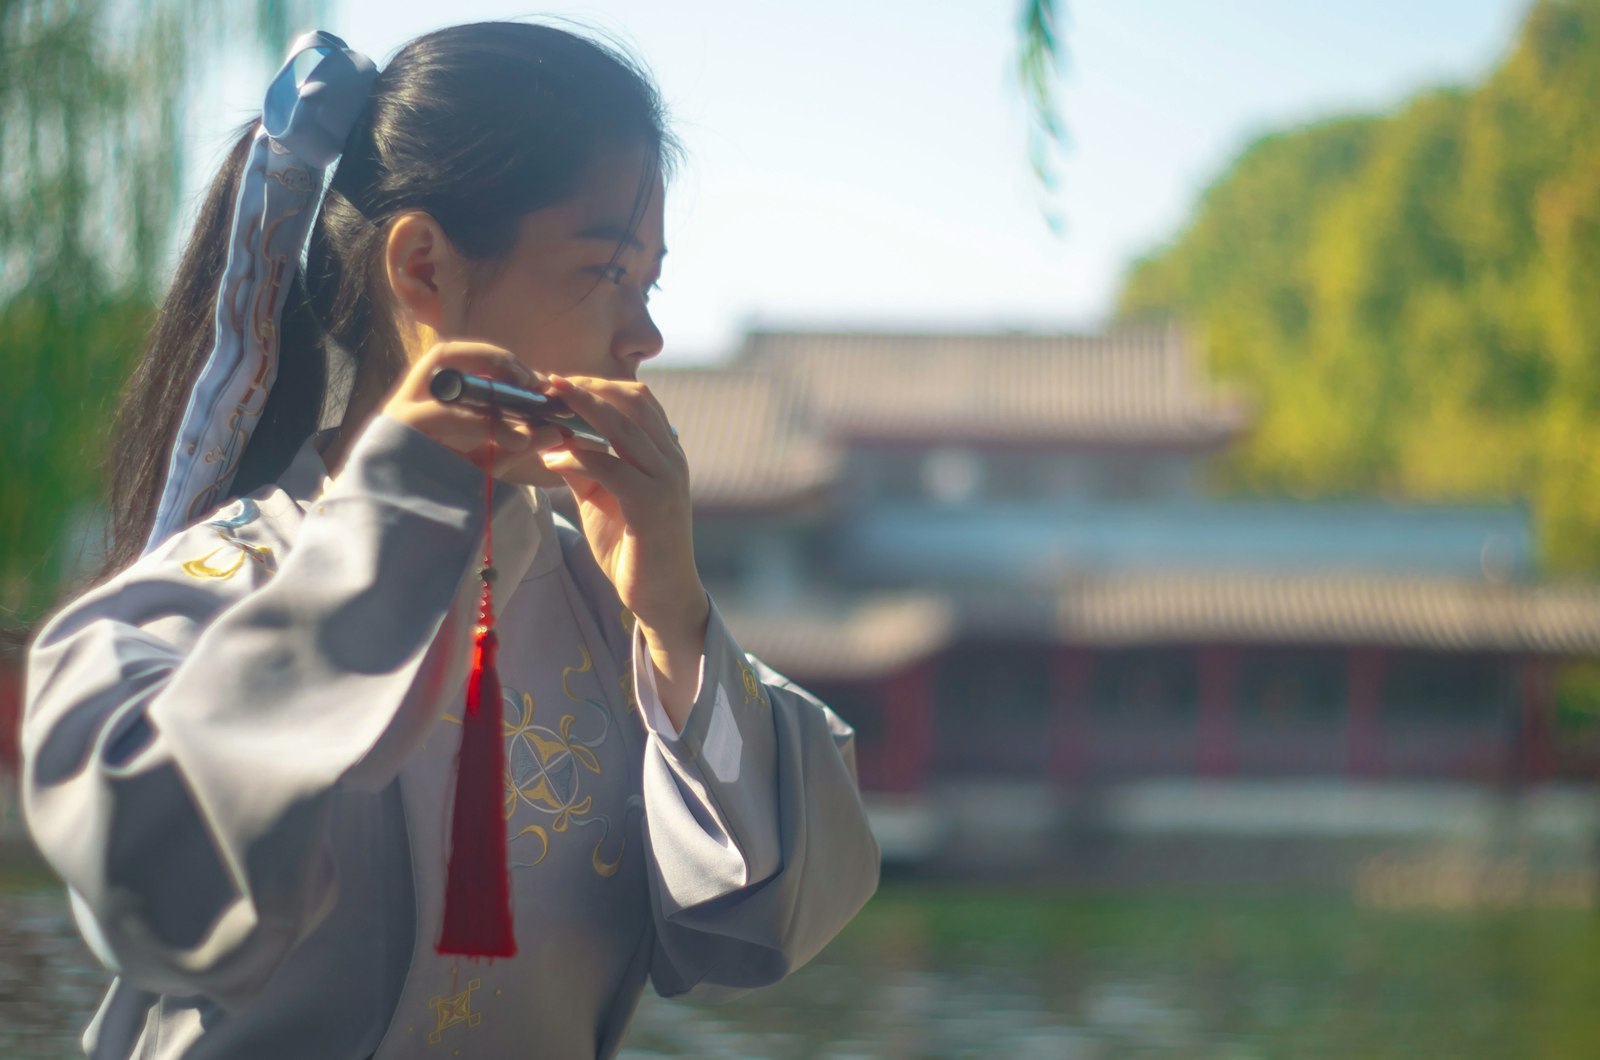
240, 748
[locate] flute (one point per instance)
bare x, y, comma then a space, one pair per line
452, 386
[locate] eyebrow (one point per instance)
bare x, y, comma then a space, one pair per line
615, 233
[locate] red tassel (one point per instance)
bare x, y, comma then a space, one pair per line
477, 890
477, 893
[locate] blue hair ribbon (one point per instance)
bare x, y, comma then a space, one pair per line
309, 110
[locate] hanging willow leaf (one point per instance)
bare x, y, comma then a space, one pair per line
1040, 57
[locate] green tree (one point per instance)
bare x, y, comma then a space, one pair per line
92, 97
1414, 298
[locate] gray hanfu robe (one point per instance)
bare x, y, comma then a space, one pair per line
239, 755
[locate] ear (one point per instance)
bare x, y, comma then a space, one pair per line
424, 272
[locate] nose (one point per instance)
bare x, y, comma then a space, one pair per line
640, 340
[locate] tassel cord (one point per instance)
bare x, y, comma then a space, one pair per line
477, 903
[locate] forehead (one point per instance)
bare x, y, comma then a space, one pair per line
620, 200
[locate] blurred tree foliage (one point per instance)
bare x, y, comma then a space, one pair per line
92, 98
1414, 299
1040, 55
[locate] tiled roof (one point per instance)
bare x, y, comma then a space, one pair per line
768, 430
1137, 386
742, 438
865, 638
875, 636
1434, 614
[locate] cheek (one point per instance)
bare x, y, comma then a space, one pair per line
560, 327
576, 340
521, 322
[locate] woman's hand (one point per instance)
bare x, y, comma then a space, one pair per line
464, 428
639, 523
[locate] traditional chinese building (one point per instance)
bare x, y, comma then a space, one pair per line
995, 554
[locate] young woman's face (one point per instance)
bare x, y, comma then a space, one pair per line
559, 302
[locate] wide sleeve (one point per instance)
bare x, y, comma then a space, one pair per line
760, 849
186, 725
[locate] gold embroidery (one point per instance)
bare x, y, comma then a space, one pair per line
453, 1010
625, 686
246, 511
543, 775
203, 567
626, 619
538, 832
545, 768
542, 770
752, 687
568, 671
603, 868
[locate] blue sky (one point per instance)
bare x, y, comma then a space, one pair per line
864, 163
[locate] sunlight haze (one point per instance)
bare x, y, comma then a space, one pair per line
865, 164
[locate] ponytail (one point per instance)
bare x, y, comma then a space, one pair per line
154, 398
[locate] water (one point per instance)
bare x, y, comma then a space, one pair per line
956, 973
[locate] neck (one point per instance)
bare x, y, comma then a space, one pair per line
366, 398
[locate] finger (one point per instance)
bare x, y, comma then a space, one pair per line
654, 402
457, 419
474, 440
546, 437
514, 467
478, 358
660, 417
468, 430
616, 413
616, 476
633, 396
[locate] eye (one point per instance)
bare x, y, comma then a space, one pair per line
613, 274
648, 291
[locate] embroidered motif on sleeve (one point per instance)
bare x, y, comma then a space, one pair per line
235, 550
753, 692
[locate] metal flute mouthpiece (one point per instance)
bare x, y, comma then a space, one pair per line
454, 387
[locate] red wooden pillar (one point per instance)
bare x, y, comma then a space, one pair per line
10, 713
1538, 729
1071, 725
1217, 734
1364, 709
908, 729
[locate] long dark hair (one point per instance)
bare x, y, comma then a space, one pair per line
477, 125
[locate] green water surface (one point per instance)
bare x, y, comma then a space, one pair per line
931, 971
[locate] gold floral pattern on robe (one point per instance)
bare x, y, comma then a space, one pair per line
546, 770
